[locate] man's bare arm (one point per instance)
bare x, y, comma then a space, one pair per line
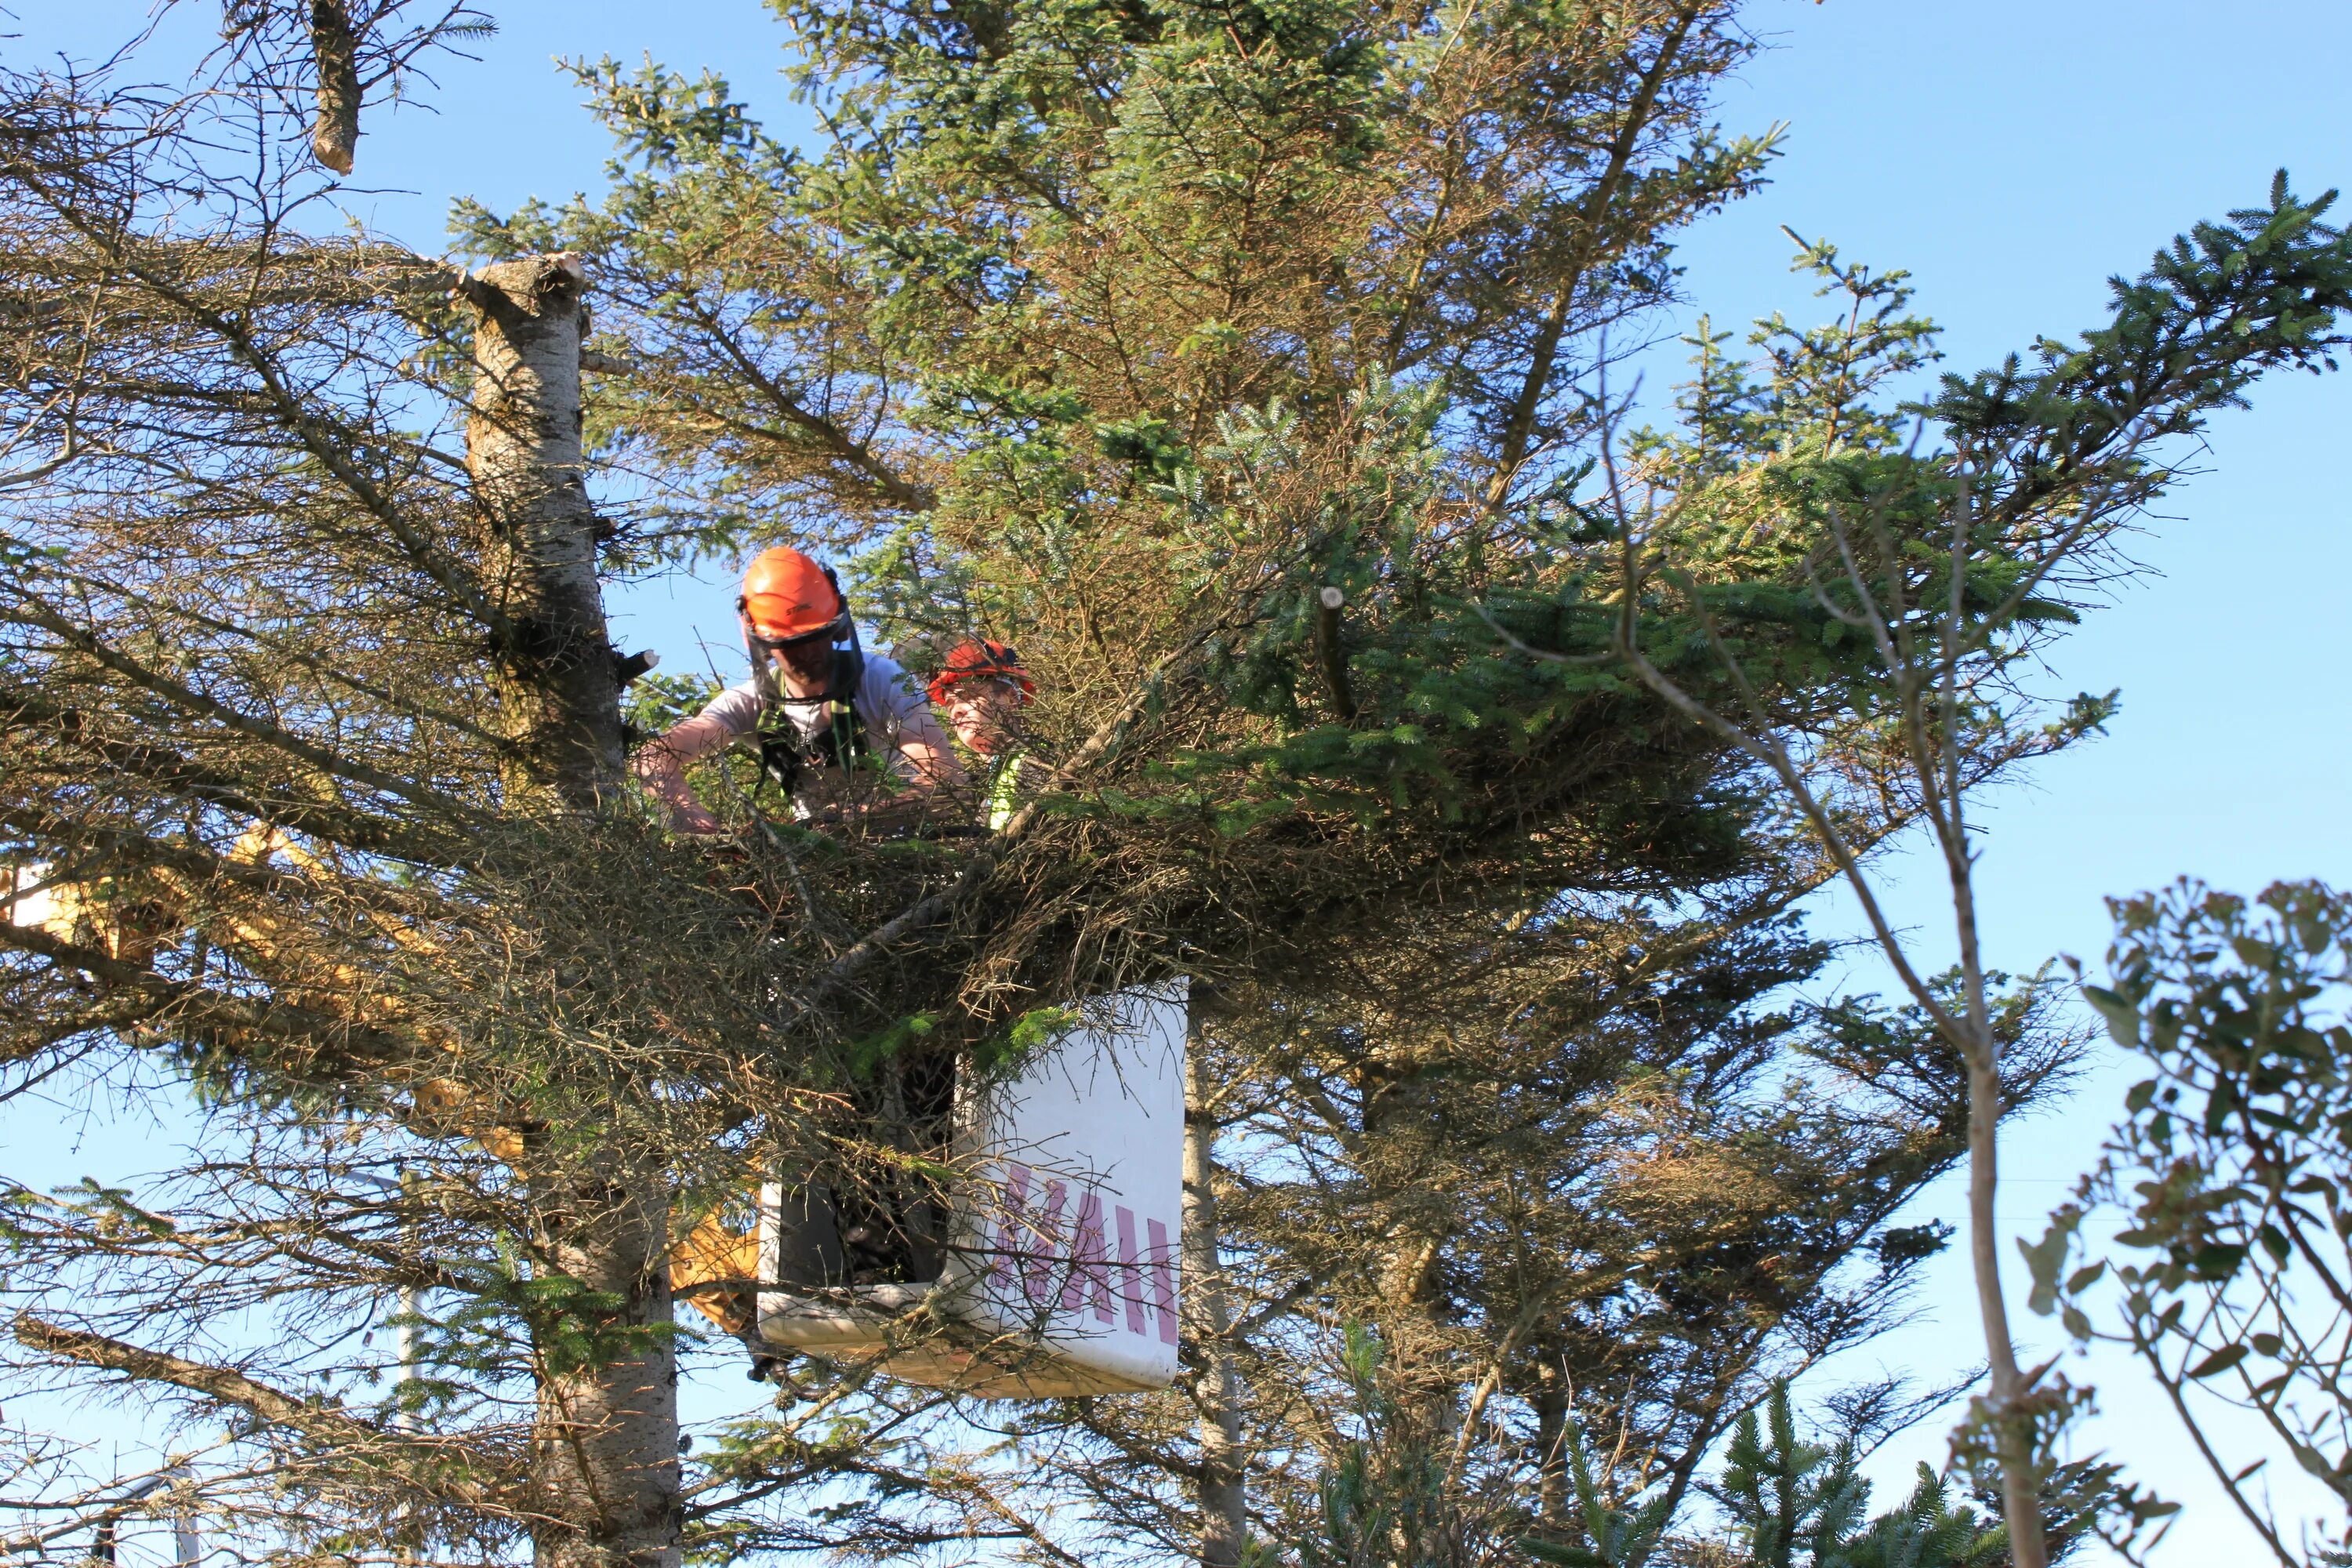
660, 767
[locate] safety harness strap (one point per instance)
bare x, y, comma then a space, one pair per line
785, 757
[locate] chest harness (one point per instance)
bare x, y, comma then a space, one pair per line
786, 755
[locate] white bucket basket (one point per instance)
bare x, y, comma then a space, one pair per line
1061, 1275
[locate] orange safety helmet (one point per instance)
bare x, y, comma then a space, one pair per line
980, 659
787, 596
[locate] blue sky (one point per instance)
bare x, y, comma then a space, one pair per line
2011, 154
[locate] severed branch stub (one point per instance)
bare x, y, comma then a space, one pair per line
334, 50
1335, 661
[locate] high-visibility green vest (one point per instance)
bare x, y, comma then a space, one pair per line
1004, 789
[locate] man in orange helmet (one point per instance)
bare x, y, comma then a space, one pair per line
982, 687
839, 729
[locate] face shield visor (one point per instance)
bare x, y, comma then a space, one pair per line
801, 650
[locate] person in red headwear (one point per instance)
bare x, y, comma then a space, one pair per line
982, 687
839, 730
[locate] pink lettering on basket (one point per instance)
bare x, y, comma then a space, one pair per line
1163, 1281
1130, 1273
1032, 1248
1089, 1279
1048, 1233
1010, 1239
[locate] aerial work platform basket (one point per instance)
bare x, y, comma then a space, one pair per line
1059, 1275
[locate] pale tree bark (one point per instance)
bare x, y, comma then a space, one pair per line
604, 1468
558, 689
2012, 1391
1216, 1382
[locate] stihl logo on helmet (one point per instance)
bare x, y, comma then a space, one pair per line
787, 597
980, 659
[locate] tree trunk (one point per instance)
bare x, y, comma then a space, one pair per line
1551, 1403
559, 691
604, 1454
2012, 1427
1217, 1386
605, 1450
2020, 1490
